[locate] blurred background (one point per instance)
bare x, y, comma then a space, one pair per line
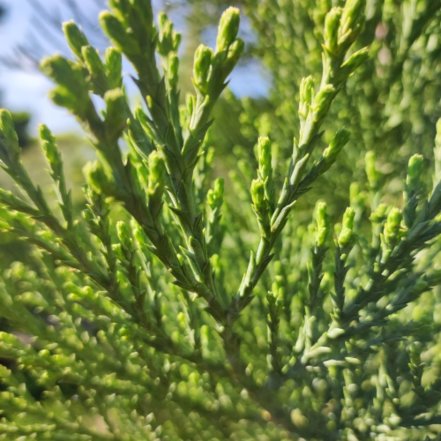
31, 29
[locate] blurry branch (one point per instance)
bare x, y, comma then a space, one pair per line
45, 34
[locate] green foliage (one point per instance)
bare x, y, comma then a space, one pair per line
185, 303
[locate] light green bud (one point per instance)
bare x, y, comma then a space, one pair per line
264, 156
392, 226
190, 103
165, 40
216, 263
50, 150
322, 101
306, 96
298, 418
333, 363
353, 360
371, 170
113, 67
73, 90
322, 223
163, 19
173, 69
201, 67
64, 72
332, 23
347, 230
258, 194
340, 139
9, 148
355, 194
92, 60
414, 173
350, 21
234, 53
379, 214
355, 60
96, 69
336, 332
117, 32
117, 112
228, 29
216, 194
176, 41
75, 37
156, 174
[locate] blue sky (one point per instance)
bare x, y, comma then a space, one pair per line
28, 89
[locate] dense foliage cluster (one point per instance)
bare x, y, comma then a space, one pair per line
268, 273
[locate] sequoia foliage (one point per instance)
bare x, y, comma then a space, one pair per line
266, 272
